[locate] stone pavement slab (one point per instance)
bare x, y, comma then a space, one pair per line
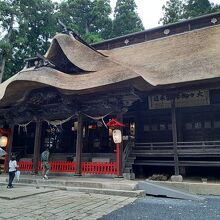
19, 192
60, 204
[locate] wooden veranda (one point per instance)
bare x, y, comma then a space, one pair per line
195, 153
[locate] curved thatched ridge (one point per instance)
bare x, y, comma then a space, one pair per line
26, 80
79, 54
182, 58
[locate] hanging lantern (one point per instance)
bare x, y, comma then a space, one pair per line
117, 136
3, 141
132, 128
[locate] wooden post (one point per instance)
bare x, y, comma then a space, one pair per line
179, 117
120, 149
174, 133
9, 148
79, 143
118, 160
37, 145
86, 139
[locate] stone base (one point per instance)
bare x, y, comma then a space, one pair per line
119, 177
129, 176
77, 174
176, 178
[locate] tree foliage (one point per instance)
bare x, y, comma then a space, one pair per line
89, 18
175, 10
126, 19
194, 8
27, 26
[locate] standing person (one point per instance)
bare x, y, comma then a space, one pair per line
45, 163
12, 169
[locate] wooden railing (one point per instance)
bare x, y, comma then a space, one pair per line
63, 166
194, 146
25, 165
99, 168
128, 148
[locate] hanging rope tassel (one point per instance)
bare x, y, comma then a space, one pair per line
55, 123
99, 117
23, 126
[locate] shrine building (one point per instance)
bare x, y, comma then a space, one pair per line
161, 85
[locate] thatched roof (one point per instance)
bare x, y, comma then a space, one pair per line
179, 58
176, 59
79, 54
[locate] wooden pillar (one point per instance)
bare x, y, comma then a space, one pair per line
9, 146
120, 119
179, 126
37, 145
79, 143
86, 138
174, 133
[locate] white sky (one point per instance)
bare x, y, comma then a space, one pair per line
150, 11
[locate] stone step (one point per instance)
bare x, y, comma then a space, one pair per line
128, 164
130, 160
102, 183
126, 193
131, 157
129, 176
127, 169
117, 187
105, 185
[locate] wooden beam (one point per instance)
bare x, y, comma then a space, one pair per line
37, 144
174, 133
79, 144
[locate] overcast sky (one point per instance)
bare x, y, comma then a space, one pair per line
150, 11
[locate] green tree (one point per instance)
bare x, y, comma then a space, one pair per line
215, 8
126, 19
27, 27
194, 8
8, 12
173, 11
89, 18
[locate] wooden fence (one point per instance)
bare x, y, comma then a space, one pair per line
99, 168
63, 166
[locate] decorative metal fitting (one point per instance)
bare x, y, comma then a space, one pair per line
166, 31
214, 20
126, 41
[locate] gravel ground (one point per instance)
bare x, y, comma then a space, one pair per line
155, 208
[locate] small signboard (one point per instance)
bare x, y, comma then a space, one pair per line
185, 99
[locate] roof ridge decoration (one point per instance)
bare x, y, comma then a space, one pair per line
70, 32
